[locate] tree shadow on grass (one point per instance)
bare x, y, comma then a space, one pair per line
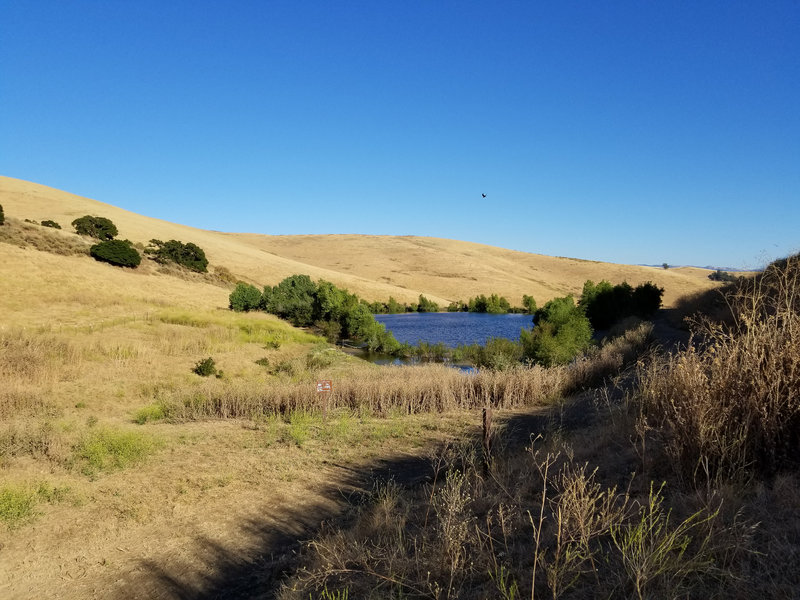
214, 571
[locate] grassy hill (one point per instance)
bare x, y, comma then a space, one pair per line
374, 267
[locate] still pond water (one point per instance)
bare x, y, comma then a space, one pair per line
454, 329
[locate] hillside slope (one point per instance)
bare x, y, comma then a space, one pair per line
375, 267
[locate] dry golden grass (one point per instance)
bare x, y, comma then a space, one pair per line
729, 405
374, 267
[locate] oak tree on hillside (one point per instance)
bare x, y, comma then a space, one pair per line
96, 227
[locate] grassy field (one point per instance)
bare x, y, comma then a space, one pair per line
123, 473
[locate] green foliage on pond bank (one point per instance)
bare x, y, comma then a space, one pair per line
605, 304
333, 311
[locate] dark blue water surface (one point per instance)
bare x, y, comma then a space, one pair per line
454, 329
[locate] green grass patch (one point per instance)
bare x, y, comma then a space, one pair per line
301, 426
17, 506
18, 503
105, 449
151, 412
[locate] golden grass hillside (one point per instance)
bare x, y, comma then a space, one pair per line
374, 267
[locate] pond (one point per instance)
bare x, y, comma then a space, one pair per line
450, 329
454, 329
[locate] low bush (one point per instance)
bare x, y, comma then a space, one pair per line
205, 368
120, 253
2, 215
105, 449
187, 255
51, 224
17, 505
562, 333
244, 297
96, 227
605, 304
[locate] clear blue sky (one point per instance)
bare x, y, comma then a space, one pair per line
633, 132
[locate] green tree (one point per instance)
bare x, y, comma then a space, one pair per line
426, 305
52, 224
529, 304
605, 304
2, 215
293, 299
244, 297
646, 299
562, 332
120, 253
394, 307
96, 227
456, 306
188, 255
497, 305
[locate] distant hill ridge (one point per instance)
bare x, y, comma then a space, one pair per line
375, 267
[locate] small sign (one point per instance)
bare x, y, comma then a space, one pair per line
325, 386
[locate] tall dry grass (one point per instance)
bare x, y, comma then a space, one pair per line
728, 406
539, 524
31, 235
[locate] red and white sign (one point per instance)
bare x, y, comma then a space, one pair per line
325, 386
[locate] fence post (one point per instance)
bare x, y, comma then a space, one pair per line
487, 436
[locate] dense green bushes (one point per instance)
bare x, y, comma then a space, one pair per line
605, 304
720, 275
187, 255
53, 224
335, 312
426, 305
120, 253
245, 297
562, 332
494, 304
96, 227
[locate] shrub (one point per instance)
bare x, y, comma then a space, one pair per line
720, 275
605, 304
529, 304
562, 332
500, 354
494, 304
187, 255
52, 224
120, 253
293, 299
96, 227
2, 215
426, 305
108, 449
244, 297
205, 367
16, 505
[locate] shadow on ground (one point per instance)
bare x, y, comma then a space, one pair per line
214, 572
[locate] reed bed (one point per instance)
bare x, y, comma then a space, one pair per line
429, 388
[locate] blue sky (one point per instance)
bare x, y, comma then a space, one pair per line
632, 132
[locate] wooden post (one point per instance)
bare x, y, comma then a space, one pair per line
487, 436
